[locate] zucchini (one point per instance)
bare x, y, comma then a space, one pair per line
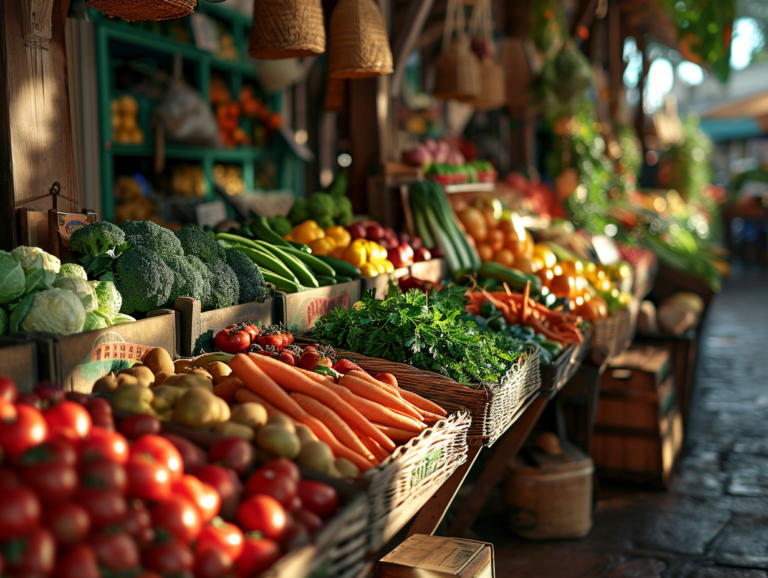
326, 281
315, 265
281, 283
341, 267
268, 261
343, 279
299, 269
263, 231
512, 277
301, 247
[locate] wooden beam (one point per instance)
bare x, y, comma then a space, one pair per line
585, 15
404, 40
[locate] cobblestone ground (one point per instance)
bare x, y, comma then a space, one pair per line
713, 522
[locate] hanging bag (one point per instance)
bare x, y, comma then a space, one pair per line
493, 89
457, 72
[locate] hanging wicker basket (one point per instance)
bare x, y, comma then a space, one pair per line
493, 86
134, 10
287, 29
335, 96
359, 45
457, 73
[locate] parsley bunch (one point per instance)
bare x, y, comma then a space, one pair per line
427, 332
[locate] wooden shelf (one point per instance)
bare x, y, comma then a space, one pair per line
189, 152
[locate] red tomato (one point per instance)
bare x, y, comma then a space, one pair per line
284, 467
103, 444
226, 483
69, 420
27, 430
69, 523
147, 478
213, 563
309, 520
57, 451
252, 330
219, 534
8, 390
204, 497
319, 498
9, 479
104, 507
272, 482
169, 558
34, 554
232, 340
51, 482
191, 455
19, 512
258, 555
138, 523
105, 475
7, 410
103, 420
99, 405
387, 378
295, 535
140, 424
262, 514
179, 517
235, 453
115, 551
162, 451
78, 562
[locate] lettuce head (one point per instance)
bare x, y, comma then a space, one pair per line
55, 311
82, 289
12, 278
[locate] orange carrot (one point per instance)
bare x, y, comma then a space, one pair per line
314, 376
227, 388
396, 434
332, 421
421, 403
373, 381
245, 395
380, 453
431, 418
294, 380
262, 384
339, 450
368, 391
376, 412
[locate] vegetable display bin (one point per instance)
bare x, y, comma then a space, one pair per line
300, 311
434, 270
380, 283
77, 361
614, 334
193, 322
557, 374
19, 361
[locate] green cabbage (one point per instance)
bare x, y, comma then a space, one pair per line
33, 258
110, 300
55, 311
12, 278
3, 321
82, 289
94, 321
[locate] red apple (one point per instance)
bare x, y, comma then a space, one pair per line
421, 254
375, 232
357, 231
416, 243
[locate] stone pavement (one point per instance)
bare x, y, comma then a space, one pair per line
713, 522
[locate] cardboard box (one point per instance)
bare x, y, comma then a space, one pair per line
380, 283
434, 270
18, 360
300, 311
423, 556
77, 361
193, 321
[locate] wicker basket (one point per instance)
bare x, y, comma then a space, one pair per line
493, 86
287, 29
335, 96
557, 374
617, 332
457, 73
144, 9
359, 44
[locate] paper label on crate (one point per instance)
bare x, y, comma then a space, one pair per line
324, 305
109, 354
426, 467
68, 223
451, 557
123, 351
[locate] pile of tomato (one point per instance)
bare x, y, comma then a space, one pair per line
81, 500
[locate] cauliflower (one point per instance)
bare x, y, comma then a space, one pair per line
34, 258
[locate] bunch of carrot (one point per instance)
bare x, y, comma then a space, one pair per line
358, 416
522, 310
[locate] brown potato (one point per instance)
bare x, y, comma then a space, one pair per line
182, 366
231, 429
189, 381
106, 384
250, 413
201, 372
142, 373
219, 371
283, 422
158, 360
126, 379
162, 376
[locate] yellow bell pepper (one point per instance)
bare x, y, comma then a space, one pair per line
375, 251
379, 265
324, 246
390, 268
356, 253
340, 235
368, 270
307, 232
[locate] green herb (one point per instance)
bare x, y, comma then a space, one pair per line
428, 332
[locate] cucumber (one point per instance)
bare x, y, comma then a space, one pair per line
343, 279
281, 283
341, 267
269, 262
512, 277
326, 281
301, 247
263, 231
235, 240
315, 265
302, 272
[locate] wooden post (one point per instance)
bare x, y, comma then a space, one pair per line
35, 129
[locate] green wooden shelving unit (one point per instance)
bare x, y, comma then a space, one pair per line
117, 41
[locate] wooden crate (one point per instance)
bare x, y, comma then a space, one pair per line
300, 311
380, 283
434, 270
19, 361
639, 367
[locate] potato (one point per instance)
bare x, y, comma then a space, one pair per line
106, 384
135, 398
251, 414
283, 422
161, 377
196, 408
346, 468
233, 430
201, 372
223, 410
316, 456
159, 361
142, 373
278, 441
126, 379
188, 381
182, 366
219, 371
161, 405
170, 393
305, 434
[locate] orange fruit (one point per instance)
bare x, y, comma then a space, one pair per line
485, 251
524, 264
561, 285
505, 257
496, 240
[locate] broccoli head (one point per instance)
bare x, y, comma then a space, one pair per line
325, 222
197, 242
110, 300
187, 279
344, 212
299, 212
321, 206
249, 277
280, 225
73, 270
97, 238
152, 236
206, 295
143, 279
225, 288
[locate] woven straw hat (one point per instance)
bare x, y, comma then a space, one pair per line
287, 29
144, 9
359, 45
